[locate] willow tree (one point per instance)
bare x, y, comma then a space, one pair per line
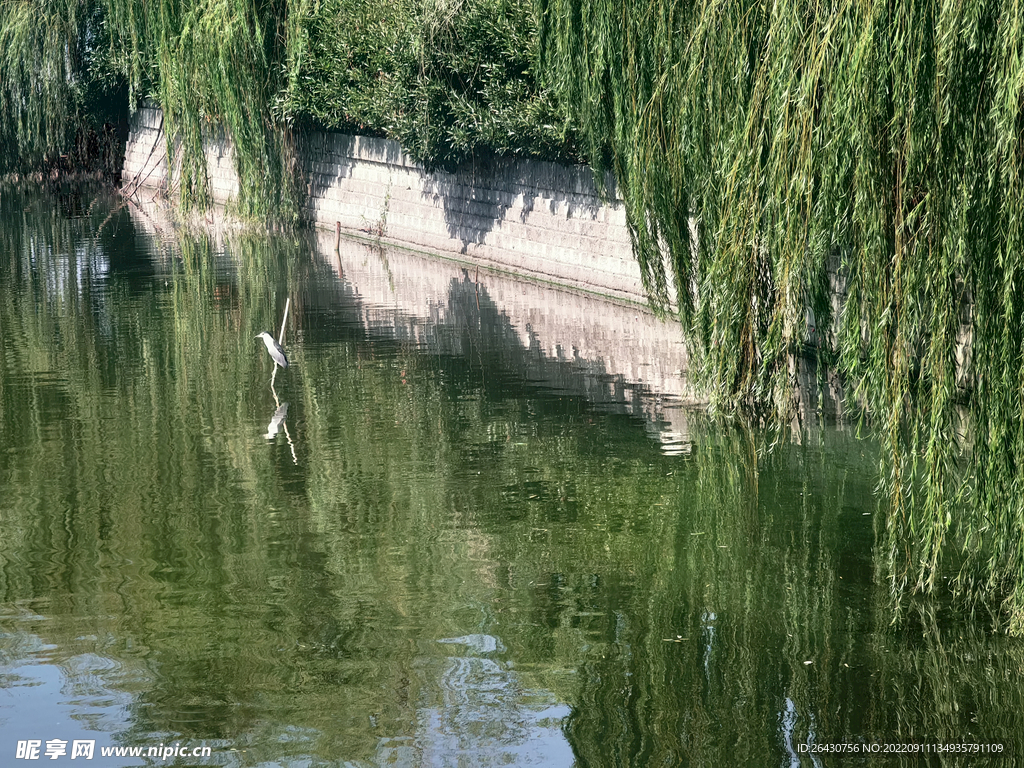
216, 66
49, 80
863, 160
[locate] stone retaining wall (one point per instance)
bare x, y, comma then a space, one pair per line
536, 219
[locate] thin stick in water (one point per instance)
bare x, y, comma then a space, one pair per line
280, 336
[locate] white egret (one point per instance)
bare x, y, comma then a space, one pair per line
274, 349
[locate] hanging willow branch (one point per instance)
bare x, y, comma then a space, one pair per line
216, 66
815, 143
449, 79
43, 84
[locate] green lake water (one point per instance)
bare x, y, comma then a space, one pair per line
448, 534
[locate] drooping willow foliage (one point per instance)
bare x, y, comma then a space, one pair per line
212, 65
216, 65
761, 147
53, 89
27, 51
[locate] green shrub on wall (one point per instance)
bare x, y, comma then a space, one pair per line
445, 78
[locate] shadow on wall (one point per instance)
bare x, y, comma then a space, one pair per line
331, 157
487, 190
475, 326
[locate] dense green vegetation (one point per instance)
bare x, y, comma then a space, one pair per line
881, 140
447, 79
762, 151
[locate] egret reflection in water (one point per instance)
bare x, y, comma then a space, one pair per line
277, 422
278, 419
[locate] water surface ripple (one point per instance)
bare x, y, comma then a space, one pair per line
472, 524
